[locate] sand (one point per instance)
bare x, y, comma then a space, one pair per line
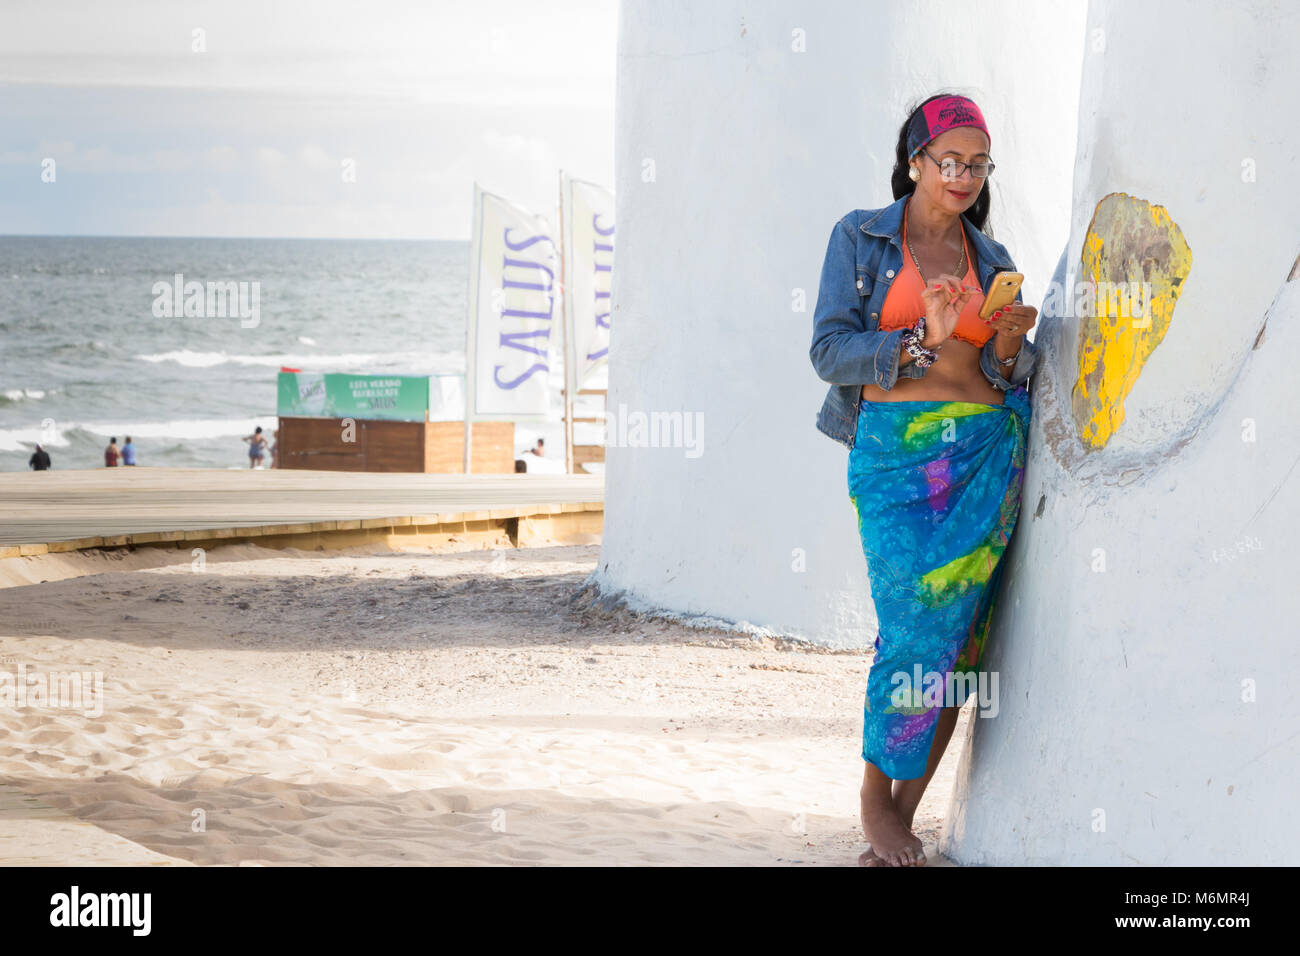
281, 707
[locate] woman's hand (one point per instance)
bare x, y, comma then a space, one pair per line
944, 298
1012, 321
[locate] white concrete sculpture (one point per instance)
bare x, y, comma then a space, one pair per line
1146, 636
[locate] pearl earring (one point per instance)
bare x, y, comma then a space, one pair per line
914, 175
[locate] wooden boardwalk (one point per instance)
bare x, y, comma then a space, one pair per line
63, 506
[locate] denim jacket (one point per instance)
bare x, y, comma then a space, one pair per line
848, 347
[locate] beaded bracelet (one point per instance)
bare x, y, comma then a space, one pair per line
922, 356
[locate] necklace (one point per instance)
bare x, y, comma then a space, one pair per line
961, 260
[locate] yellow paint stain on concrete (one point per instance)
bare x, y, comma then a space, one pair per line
1137, 260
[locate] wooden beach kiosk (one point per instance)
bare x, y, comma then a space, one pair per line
382, 423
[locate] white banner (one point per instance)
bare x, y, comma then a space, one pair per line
512, 292
446, 398
588, 236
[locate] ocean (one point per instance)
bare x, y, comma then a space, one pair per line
84, 358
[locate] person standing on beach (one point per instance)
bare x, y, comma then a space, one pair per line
256, 447
40, 460
931, 400
275, 449
111, 454
128, 452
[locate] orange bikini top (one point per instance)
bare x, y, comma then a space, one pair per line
903, 305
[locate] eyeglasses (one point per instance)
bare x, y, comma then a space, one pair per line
952, 170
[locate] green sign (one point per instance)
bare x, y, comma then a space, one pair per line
403, 398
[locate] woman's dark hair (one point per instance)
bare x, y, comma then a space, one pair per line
978, 213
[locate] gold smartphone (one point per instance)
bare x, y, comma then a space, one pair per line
1002, 292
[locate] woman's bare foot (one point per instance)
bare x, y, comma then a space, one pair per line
890, 840
869, 858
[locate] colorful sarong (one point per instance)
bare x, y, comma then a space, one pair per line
936, 486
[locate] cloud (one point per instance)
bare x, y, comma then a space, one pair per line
270, 158
529, 149
485, 53
222, 158
105, 159
315, 157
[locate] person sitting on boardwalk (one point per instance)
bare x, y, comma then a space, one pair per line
111, 454
40, 460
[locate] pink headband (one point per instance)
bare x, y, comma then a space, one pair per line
939, 116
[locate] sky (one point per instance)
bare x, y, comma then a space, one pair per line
296, 118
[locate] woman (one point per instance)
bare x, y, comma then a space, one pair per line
256, 445
932, 403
